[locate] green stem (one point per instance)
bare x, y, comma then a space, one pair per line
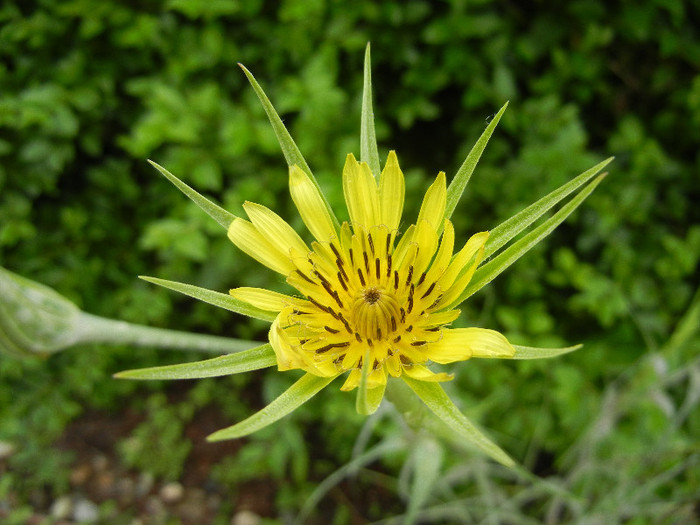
94, 329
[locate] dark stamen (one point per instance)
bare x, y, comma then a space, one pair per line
427, 293
342, 282
397, 339
410, 328
371, 243
422, 278
410, 275
303, 275
331, 330
379, 334
364, 254
403, 314
376, 267
332, 345
358, 337
418, 343
396, 280
388, 265
393, 324
362, 277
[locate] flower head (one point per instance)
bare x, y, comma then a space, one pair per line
371, 296
373, 301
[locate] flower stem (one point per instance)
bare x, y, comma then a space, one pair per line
94, 329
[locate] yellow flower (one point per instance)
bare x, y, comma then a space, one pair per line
375, 302
372, 297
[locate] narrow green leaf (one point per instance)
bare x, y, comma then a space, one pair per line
426, 458
290, 150
221, 300
295, 396
368, 138
508, 229
531, 352
215, 211
464, 173
489, 271
368, 399
442, 406
254, 359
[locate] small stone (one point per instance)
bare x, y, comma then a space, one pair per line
172, 492
155, 507
61, 508
6, 449
100, 462
80, 474
144, 484
85, 511
246, 517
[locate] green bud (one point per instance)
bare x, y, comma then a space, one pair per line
34, 319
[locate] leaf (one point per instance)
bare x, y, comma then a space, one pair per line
427, 456
531, 352
368, 138
489, 271
290, 150
442, 406
216, 212
291, 399
254, 359
504, 232
464, 173
216, 298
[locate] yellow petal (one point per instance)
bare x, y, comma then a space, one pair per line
310, 204
276, 230
459, 344
360, 191
462, 258
287, 358
263, 299
391, 193
433, 207
244, 235
443, 256
422, 373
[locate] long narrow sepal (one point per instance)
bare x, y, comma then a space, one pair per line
531, 352
507, 230
442, 406
291, 399
368, 399
216, 212
489, 271
221, 300
290, 150
368, 139
254, 359
464, 173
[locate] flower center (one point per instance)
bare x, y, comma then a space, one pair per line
375, 313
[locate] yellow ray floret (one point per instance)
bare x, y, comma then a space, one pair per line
370, 297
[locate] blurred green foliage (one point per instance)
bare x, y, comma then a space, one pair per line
89, 90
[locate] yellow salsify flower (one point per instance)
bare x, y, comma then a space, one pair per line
375, 303
373, 298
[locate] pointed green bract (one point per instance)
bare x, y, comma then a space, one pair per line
216, 212
290, 150
531, 352
216, 298
489, 271
442, 406
368, 399
368, 138
291, 399
254, 359
464, 173
507, 230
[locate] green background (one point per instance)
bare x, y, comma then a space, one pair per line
90, 90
